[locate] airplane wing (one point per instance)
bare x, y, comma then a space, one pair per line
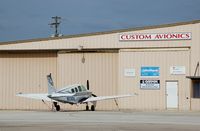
99, 98
35, 96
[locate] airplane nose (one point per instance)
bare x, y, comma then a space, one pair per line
48, 95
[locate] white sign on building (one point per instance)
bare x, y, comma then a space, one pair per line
150, 84
177, 70
129, 72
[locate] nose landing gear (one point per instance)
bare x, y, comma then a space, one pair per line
87, 108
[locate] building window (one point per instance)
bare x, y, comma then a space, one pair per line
196, 89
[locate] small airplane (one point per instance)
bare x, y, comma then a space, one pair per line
72, 94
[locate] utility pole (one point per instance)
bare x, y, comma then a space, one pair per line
55, 25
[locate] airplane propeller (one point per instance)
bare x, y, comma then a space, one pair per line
88, 88
94, 95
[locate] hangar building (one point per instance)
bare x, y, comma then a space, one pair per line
160, 63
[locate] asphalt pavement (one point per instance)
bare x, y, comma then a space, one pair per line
99, 120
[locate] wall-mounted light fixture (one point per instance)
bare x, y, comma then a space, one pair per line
83, 59
80, 48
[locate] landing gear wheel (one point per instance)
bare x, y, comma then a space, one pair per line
92, 108
87, 108
57, 107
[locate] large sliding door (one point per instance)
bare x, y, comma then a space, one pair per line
24, 72
101, 69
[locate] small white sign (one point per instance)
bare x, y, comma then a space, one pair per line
129, 72
150, 84
177, 70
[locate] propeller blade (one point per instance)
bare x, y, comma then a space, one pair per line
88, 86
94, 95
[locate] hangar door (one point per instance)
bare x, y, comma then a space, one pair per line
24, 72
101, 69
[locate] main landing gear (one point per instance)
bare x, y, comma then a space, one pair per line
92, 107
56, 106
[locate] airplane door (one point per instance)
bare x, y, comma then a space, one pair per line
172, 94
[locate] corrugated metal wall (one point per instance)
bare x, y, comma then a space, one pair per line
101, 69
195, 55
24, 72
153, 99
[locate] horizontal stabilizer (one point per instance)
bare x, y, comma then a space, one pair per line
35, 96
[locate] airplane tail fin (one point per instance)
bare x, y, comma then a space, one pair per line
51, 88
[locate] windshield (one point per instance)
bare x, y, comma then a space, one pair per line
83, 88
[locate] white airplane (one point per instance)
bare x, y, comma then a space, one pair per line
72, 94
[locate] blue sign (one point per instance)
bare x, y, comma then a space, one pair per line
150, 71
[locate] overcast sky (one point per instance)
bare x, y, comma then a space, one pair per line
29, 19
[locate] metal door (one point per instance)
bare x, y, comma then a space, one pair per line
172, 94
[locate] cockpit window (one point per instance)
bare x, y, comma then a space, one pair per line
65, 91
72, 90
76, 89
79, 88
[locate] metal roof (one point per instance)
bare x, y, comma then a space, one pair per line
193, 77
102, 33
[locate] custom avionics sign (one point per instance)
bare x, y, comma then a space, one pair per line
155, 36
150, 84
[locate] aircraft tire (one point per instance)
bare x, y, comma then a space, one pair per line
57, 107
87, 108
92, 108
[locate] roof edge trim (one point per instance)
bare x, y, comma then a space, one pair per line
102, 33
